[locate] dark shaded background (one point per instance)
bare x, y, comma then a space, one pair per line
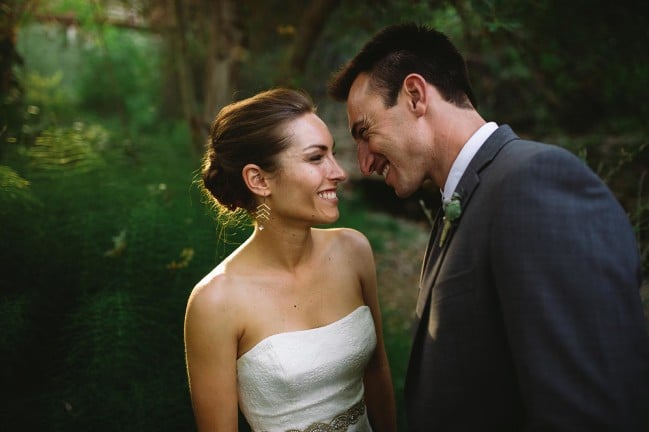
104, 107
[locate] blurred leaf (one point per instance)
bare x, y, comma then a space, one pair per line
64, 151
15, 191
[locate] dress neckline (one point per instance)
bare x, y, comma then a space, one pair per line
267, 339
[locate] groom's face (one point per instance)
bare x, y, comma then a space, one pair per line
383, 137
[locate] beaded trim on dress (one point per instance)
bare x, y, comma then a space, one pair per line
340, 423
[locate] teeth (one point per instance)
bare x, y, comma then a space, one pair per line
329, 195
385, 170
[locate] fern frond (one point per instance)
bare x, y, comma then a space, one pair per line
64, 151
14, 191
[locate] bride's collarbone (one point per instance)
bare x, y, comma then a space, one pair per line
279, 302
262, 323
284, 309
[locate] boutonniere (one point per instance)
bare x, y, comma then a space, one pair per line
452, 212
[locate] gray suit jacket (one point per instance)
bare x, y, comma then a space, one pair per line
529, 314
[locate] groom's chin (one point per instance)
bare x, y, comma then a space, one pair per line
402, 193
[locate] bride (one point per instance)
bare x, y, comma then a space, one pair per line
286, 329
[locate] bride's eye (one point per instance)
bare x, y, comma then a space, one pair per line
315, 158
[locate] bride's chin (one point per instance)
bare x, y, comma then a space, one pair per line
330, 218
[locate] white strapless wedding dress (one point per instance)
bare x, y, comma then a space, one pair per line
309, 380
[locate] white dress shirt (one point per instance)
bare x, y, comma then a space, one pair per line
464, 158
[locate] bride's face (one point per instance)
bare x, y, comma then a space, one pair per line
304, 190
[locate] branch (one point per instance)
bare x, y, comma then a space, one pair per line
71, 20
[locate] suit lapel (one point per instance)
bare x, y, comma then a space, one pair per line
466, 187
435, 252
432, 240
430, 260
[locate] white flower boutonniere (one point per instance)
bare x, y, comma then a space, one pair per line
452, 212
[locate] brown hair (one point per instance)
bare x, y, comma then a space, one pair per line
244, 132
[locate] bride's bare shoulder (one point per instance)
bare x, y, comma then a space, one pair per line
348, 238
216, 298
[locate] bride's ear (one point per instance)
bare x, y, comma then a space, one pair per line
255, 179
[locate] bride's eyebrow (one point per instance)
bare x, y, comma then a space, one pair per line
322, 147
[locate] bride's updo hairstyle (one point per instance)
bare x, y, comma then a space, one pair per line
252, 130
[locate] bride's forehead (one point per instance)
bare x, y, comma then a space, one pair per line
307, 122
304, 132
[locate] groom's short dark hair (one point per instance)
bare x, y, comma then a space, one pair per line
398, 50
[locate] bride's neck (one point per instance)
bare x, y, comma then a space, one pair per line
288, 249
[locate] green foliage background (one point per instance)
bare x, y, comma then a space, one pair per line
103, 231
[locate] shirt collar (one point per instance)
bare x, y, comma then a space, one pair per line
463, 159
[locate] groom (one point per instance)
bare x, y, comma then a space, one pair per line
529, 315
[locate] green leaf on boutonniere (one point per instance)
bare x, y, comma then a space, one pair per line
452, 212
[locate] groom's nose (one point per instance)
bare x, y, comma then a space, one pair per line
365, 159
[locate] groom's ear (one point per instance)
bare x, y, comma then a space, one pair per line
414, 90
256, 180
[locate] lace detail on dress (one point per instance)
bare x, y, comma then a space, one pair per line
340, 423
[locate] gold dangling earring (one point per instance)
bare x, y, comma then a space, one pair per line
262, 214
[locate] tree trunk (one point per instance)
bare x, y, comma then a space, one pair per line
224, 54
182, 59
311, 25
8, 55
